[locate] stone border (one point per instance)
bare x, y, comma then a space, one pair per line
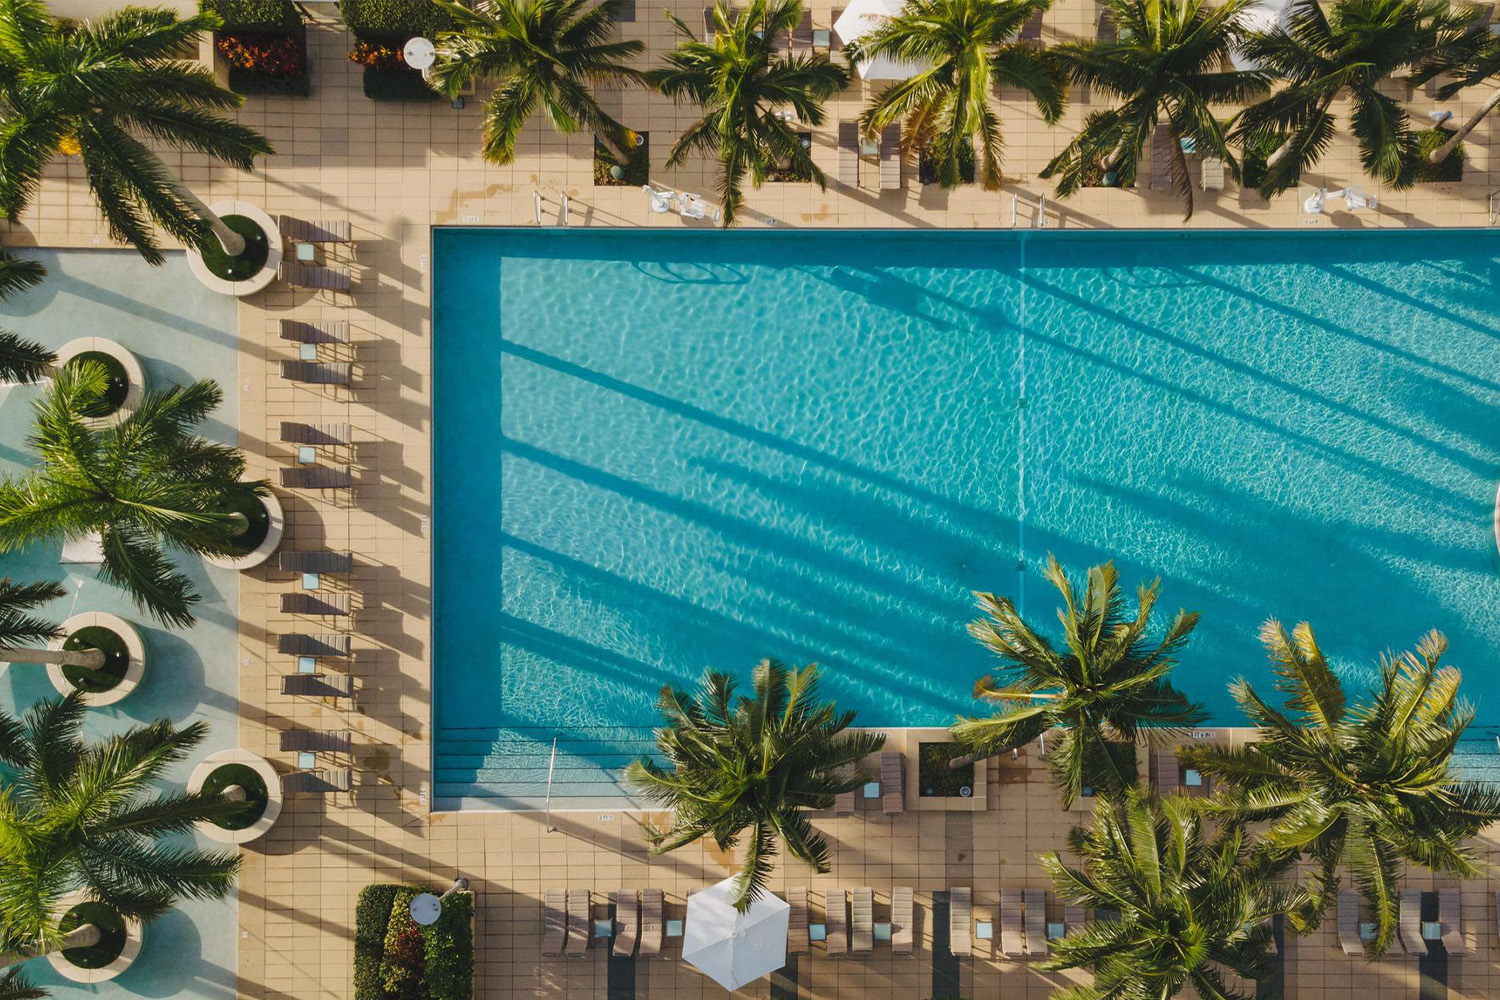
267, 545
134, 936
268, 271
133, 671
267, 773
133, 372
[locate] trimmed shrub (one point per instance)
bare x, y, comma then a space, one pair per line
450, 950
1451, 169
394, 959
266, 64
372, 915
397, 85
403, 18
277, 16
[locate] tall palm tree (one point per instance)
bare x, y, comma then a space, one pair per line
87, 817
1368, 785
970, 47
19, 626
547, 55
755, 762
24, 361
18, 274
1106, 685
1189, 904
101, 90
1165, 68
146, 482
1346, 51
1480, 63
741, 83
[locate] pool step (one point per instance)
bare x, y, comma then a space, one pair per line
1476, 757
510, 768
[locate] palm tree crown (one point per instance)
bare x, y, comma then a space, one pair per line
143, 482
547, 55
18, 274
1108, 682
1165, 67
1369, 785
741, 82
970, 47
102, 89
757, 762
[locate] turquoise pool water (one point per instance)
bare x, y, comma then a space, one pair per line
657, 452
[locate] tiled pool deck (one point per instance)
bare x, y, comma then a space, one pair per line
395, 171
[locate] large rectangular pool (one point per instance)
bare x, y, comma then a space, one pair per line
660, 451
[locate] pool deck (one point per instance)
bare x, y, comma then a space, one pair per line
395, 171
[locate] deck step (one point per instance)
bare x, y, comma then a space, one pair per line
510, 768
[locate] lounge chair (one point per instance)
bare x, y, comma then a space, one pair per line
317, 561
1031, 31
836, 906
835, 40
1161, 158
1451, 920
1105, 30
298, 331
319, 231
1409, 926
1073, 916
321, 644
1349, 938
316, 435
580, 922
1212, 178
1012, 944
862, 920
802, 34
843, 803
708, 25
333, 279
554, 922
317, 782
890, 157
961, 921
796, 927
652, 907
318, 685
316, 741
902, 920
849, 154
892, 783
317, 477
318, 372
1167, 770
1035, 901
627, 922
315, 603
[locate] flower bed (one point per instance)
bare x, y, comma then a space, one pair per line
381, 29
395, 959
635, 170
264, 44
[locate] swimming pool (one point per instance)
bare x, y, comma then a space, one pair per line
661, 451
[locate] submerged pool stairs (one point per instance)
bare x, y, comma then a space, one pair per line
509, 768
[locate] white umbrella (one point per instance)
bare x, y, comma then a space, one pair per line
1256, 19
862, 17
730, 947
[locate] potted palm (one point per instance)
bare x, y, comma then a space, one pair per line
99, 655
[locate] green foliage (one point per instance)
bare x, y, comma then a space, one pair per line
1256, 150
397, 85
372, 915
395, 960
450, 950
403, 970
395, 18
1452, 167
255, 15
635, 167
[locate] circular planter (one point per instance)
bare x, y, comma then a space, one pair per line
260, 279
135, 667
218, 762
268, 544
135, 375
82, 968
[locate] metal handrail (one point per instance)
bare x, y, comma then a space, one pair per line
550, 766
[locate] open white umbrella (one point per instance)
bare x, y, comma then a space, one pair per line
730, 947
1257, 19
862, 17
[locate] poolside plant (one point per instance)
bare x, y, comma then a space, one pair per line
546, 57
15, 986
1165, 69
741, 83
393, 963
1367, 785
18, 627
1091, 698
24, 361
970, 49
18, 274
110, 91
755, 763
145, 484
1473, 64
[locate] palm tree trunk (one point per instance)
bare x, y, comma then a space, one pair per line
82, 936
1441, 153
233, 793
232, 242
91, 659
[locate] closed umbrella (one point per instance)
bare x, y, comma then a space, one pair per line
730, 947
859, 19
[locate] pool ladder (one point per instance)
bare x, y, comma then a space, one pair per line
562, 207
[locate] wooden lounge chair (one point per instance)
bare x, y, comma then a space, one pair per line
318, 685
890, 157
627, 922
836, 919
862, 920
1105, 30
1031, 31
961, 921
580, 922
1349, 939
796, 927
317, 477
318, 372
1072, 917
802, 34
1011, 943
849, 154
320, 644
902, 920
316, 231
316, 741
333, 279
708, 25
315, 561
1409, 927
317, 782
843, 803
554, 922
1035, 901
300, 331
1161, 158
315, 603
1451, 919
835, 40
892, 783
1167, 772
317, 435
652, 908
1212, 178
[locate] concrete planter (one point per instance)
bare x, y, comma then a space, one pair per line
134, 937
268, 271
267, 773
134, 373
133, 672
267, 546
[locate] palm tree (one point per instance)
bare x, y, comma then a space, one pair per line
1108, 684
85, 817
970, 47
24, 361
18, 274
1189, 905
547, 55
1346, 52
146, 482
1368, 785
14, 986
741, 82
757, 762
1480, 63
100, 90
1165, 68
17, 626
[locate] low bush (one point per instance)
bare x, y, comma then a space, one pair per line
394, 19
397, 85
1451, 169
264, 44
372, 915
255, 15
635, 170
395, 959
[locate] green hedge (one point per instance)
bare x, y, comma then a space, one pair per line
401, 19
255, 15
397, 85
385, 960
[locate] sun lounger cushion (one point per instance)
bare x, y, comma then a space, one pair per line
796, 928
301, 331
836, 919
1035, 901
862, 920
321, 644
580, 923
652, 920
902, 920
554, 922
319, 782
627, 921
961, 921
307, 602
316, 741
314, 561
318, 685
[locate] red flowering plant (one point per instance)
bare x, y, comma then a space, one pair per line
271, 55
377, 55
